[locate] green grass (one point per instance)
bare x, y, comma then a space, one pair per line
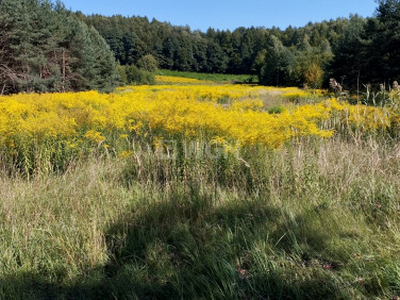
313, 220
219, 78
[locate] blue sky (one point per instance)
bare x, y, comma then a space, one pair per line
229, 14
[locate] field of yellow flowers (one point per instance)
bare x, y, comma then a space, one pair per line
197, 190
49, 130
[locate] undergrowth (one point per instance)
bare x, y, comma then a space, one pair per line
317, 219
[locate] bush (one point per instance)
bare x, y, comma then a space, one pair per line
148, 63
122, 75
134, 75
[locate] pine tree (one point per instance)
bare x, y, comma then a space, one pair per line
45, 48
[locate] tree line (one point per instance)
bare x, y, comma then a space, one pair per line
45, 47
354, 50
254, 51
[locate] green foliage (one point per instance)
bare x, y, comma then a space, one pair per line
372, 46
134, 75
279, 64
289, 224
259, 61
369, 44
352, 46
178, 48
122, 74
45, 48
276, 109
215, 77
388, 38
148, 63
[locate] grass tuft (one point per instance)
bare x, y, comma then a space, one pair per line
314, 220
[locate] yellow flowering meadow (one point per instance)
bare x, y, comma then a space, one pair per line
162, 79
228, 114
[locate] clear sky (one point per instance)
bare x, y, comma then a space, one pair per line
229, 14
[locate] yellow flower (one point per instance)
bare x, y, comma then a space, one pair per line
94, 136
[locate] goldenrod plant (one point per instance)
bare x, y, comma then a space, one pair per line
197, 192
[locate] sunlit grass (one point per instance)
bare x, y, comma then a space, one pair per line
314, 220
198, 192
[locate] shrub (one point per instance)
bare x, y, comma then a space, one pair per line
148, 63
134, 75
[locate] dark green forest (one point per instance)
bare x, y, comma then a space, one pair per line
45, 47
352, 50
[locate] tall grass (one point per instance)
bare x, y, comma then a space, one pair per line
317, 219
